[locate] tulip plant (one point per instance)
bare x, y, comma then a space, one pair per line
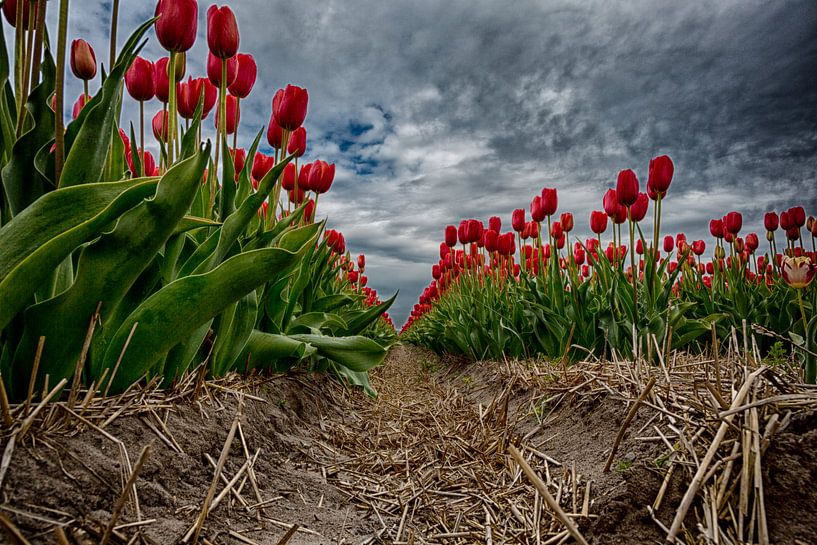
562, 298
117, 266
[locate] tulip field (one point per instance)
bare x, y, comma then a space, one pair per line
190, 353
532, 291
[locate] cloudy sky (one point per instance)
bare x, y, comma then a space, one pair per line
437, 111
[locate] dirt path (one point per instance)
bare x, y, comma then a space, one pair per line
426, 462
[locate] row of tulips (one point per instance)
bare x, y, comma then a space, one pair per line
117, 266
534, 290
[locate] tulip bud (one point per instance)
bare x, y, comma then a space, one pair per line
550, 201
79, 105
627, 188
719, 252
810, 223
83, 60
289, 107
239, 159
669, 244
177, 24
297, 142
214, 70
770, 236
639, 247
222, 32
139, 80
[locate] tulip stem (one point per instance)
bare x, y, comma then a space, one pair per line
114, 25
171, 114
237, 120
802, 313
634, 273
38, 44
28, 46
59, 88
142, 131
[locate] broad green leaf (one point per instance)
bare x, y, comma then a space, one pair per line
233, 328
357, 353
272, 351
35, 242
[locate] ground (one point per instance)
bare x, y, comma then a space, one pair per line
426, 462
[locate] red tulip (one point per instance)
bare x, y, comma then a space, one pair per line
627, 188
450, 236
436, 273
716, 228
495, 223
752, 242
309, 210
639, 247
139, 80
297, 197
610, 203
261, 165
245, 78
79, 105
566, 219
556, 229
473, 230
177, 24
297, 142
321, 176
798, 216
733, 223
214, 70
148, 163
10, 11
639, 209
289, 107
771, 221
222, 32
160, 79
669, 244
621, 214
660, 176
506, 244
598, 222
288, 179
239, 159
518, 219
160, 126
83, 60
698, 247
275, 134
303, 177
550, 201
491, 240
233, 115
537, 210
786, 221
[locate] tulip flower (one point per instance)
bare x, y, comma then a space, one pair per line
598, 222
639, 209
222, 32
660, 174
160, 126
232, 117
556, 230
261, 165
83, 61
771, 221
669, 244
506, 244
537, 210
491, 240
495, 223
752, 242
177, 24
550, 201
610, 203
296, 197
161, 80
518, 219
798, 216
275, 134
297, 142
139, 80
627, 188
733, 222
698, 247
187, 99
303, 177
321, 177
147, 165
288, 178
79, 105
566, 219
436, 273
289, 107
239, 157
246, 73
10, 12
214, 70
716, 228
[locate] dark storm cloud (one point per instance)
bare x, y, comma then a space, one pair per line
435, 111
